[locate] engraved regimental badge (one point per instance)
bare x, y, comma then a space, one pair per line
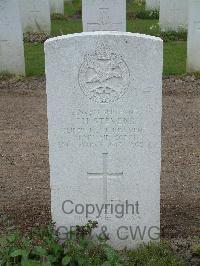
104, 75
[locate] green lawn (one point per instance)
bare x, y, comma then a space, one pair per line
146, 26
71, 9
135, 6
34, 56
60, 27
174, 52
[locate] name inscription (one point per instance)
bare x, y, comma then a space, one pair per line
107, 127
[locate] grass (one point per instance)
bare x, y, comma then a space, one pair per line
145, 26
135, 6
174, 51
71, 9
175, 58
34, 59
60, 27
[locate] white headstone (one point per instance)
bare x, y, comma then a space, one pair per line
193, 41
104, 127
57, 6
35, 15
11, 38
152, 4
173, 15
101, 15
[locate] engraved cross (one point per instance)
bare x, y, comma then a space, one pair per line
105, 175
103, 18
103, 21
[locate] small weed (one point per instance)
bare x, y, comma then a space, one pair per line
58, 17
196, 74
18, 78
198, 250
5, 75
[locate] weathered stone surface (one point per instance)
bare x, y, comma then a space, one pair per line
104, 94
57, 6
193, 41
35, 15
101, 15
11, 38
173, 15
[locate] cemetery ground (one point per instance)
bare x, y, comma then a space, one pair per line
24, 178
25, 193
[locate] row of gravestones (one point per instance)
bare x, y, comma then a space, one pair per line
18, 17
180, 15
173, 14
97, 15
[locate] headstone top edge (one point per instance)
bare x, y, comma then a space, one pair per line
103, 33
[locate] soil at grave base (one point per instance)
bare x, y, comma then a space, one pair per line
24, 168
